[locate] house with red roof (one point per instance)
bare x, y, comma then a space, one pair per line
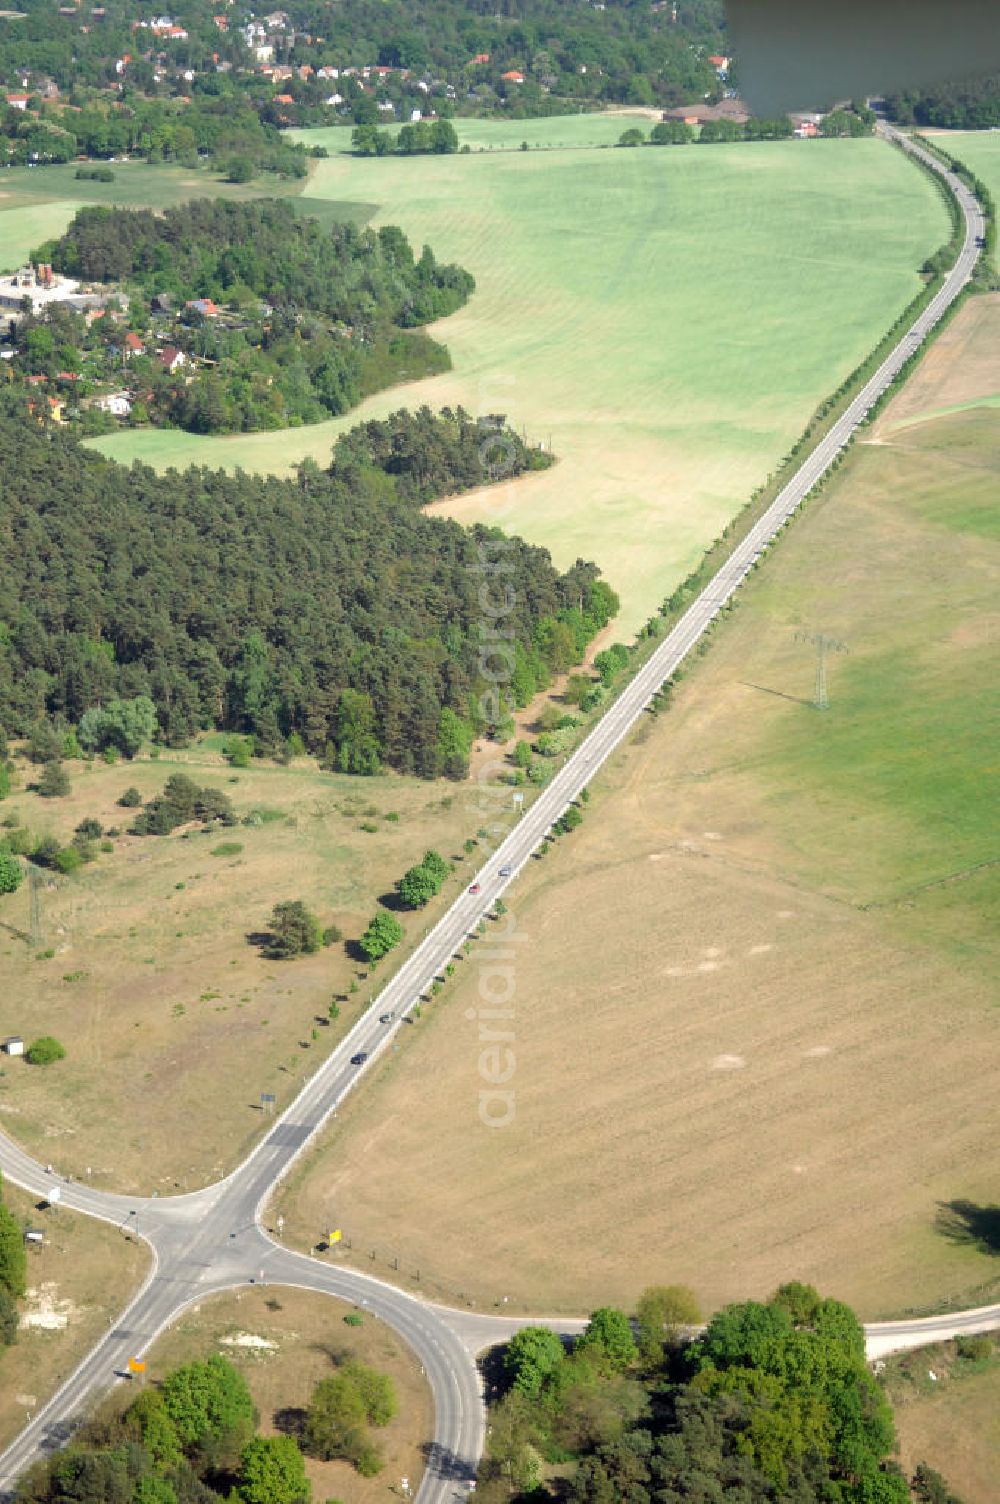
513, 76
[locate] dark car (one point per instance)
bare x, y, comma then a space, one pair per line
386, 1018
359, 1058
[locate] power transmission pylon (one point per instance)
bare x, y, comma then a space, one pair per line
823, 646
34, 884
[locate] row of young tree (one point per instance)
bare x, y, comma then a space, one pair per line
193, 1439
422, 138
214, 131
859, 121
338, 613
772, 1402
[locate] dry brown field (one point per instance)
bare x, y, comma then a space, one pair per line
755, 1017
283, 1342
172, 1022
82, 1276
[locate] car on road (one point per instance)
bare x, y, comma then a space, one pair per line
386, 1018
359, 1058
505, 871
474, 888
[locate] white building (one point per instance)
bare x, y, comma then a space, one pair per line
40, 284
118, 404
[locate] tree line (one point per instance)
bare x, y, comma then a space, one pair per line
329, 609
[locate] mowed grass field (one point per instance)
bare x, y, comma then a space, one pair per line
84, 1273
668, 319
755, 1010
284, 1341
143, 969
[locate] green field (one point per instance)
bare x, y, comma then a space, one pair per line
669, 318
38, 203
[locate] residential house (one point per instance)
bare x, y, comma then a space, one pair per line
17, 101
205, 307
118, 404
513, 76
171, 359
131, 345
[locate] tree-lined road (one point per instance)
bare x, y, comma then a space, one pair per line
212, 1240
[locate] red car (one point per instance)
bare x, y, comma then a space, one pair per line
474, 888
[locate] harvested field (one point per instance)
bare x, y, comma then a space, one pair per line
755, 1016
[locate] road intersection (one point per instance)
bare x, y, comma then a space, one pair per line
214, 1239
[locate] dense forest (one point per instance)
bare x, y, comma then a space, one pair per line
267, 318
773, 1404
430, 455
972, 104
325, 606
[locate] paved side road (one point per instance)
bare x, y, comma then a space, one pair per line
213, 1240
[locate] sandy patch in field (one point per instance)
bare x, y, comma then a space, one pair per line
44, 1309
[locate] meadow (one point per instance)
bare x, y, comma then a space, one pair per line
666, 319
67, 1305
142, 963
950, 1421
755, 1015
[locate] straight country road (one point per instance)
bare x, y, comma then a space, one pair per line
212, 1240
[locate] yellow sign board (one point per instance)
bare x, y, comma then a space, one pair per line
136, 1365
335, 1236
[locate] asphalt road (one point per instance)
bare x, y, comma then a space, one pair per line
213, 1239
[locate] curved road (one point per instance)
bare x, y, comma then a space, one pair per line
212, 1240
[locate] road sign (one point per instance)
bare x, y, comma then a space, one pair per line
136, 1365
55, 1195
334, 1236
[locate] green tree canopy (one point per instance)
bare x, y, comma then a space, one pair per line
295, 931
272, 1471
533, 1354
208, 1400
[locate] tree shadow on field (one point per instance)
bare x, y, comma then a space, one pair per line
394, 903
290, 1421
974, 1226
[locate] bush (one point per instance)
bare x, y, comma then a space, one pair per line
227, 848
332, 935
53, 784
89, 829
11, 873
295, 931
44, 1051
68, 860
383, 933
131, 799
976, 1349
